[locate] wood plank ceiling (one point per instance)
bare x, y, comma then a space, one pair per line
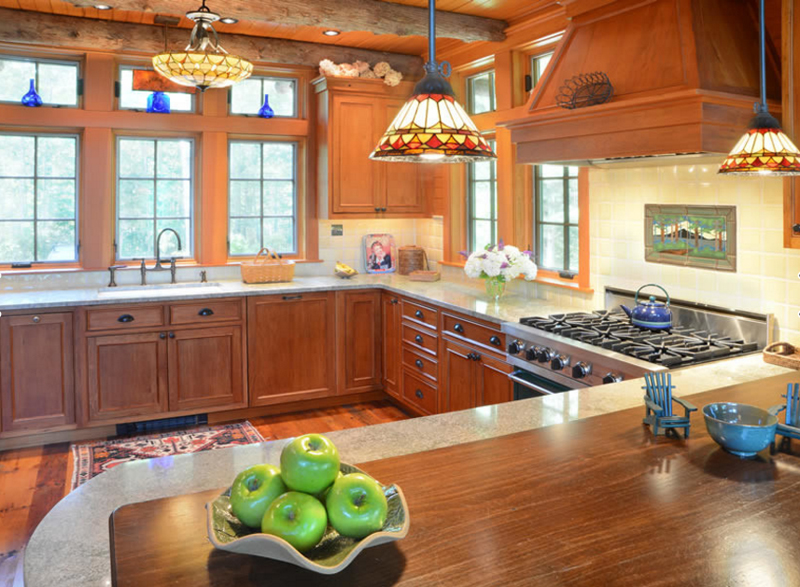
510, 11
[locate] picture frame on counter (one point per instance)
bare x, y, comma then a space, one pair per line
380, 253
703, 237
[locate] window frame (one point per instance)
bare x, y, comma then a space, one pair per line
77, 245
299, 208
468, 83
118, 94
536, 76
471, 245
37, 60
538, 218
193, 205
269, 76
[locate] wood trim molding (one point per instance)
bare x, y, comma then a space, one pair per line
790, 38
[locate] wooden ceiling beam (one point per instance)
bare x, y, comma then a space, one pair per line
36, 28
380, 18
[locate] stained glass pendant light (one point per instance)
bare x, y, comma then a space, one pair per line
204, 63
764, 149
432, 127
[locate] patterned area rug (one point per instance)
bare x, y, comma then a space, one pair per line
89, 460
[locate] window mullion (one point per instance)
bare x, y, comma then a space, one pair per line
36, 193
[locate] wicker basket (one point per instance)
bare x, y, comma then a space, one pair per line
269, 268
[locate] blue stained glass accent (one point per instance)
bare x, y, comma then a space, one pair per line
266, 111
32, 99
158, 102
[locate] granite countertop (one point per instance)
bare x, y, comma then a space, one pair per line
71, 545
446, 294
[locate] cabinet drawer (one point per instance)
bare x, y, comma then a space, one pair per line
419, 393
420, 314
422, 340
419, 364
120, 317
477, 333
205, 312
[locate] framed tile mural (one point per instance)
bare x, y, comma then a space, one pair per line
692, 236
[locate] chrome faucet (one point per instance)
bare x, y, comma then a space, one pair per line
158, 266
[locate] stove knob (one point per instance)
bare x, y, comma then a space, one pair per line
612, 378
559, 362
544, 355
581, 370
531, 353
515, 347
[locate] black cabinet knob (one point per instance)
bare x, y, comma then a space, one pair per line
206, 312
418, 338
419, 394
162, 335
419, 314
419, 363
495, 340
172, 335
395, 301
476, 357
458, 328
125, 318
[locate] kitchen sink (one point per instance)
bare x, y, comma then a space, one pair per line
125, 290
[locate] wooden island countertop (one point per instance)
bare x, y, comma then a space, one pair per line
590, 502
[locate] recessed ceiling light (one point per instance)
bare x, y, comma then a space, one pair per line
103, 7
330, 33
229, 20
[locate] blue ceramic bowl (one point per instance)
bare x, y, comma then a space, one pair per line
740, 429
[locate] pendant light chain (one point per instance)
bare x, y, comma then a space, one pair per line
763, 56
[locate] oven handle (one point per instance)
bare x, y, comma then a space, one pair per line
530, 385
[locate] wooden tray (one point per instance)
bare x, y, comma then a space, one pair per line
420, 275
782, 354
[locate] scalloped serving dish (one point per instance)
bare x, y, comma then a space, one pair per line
334, 552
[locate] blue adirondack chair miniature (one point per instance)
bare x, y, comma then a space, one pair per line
658, 406
790, 428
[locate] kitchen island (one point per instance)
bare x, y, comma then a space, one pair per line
71, 545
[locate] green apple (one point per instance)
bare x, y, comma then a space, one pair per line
298, 518
324, 495
356, 505
253, 490
309, 463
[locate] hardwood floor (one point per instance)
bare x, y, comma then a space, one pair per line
33, 480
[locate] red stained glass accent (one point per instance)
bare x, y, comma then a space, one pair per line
434, 142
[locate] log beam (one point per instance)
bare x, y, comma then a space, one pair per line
372, 16
23, 27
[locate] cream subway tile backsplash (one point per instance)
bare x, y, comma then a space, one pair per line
767, 274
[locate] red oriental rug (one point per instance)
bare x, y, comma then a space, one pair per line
89, 460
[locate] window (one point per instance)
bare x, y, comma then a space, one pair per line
482, 203
538, 65
154, 191
248, 96
38, 198
56, 81
556, 223
130, 99
262, 197
480, 92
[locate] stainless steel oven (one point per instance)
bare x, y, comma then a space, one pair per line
527, 384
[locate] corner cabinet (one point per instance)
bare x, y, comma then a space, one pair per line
352, 115
358, 317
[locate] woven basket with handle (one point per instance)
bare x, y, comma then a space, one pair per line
267, 267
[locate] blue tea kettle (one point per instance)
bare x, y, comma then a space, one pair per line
652, 314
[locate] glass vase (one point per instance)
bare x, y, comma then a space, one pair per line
158, 102
495, 288
32, 99
266, 111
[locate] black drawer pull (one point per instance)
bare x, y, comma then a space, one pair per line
172, 335
458, 328
495, 340
206, 312
419, 314
419, 363
162, 335
125, 318
419, 339
292, 298
419, 394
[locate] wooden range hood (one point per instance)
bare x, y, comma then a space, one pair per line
685, 77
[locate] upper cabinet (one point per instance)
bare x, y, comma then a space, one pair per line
352, 115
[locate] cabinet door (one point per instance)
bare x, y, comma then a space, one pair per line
127, 375
402, 188
291, 347
493, 384
355, 179
37, 382
205, 368
359, 326
390, 310
458, 377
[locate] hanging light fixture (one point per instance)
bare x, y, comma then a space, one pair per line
432, 127
204, 63
764, 149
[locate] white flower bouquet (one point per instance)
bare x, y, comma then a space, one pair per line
499, 264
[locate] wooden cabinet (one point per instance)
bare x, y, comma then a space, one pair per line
390, 343
493, 384
37, 385
358, 318
352, 115
291, 347
472, 378
127, 375
206, 368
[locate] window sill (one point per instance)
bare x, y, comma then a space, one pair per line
544, 280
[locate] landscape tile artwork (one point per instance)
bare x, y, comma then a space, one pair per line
693, 236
